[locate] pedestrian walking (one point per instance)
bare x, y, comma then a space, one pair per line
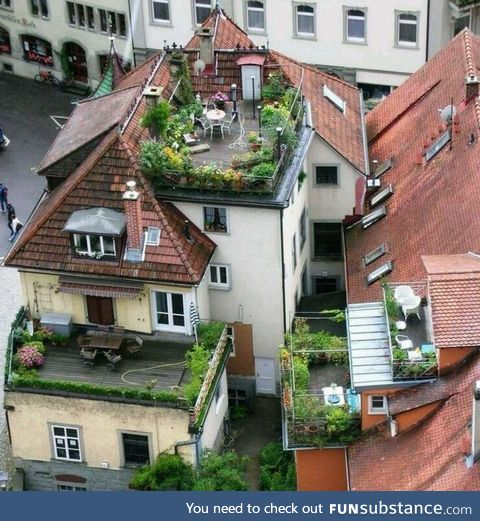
10, 217
3, 197
17, 226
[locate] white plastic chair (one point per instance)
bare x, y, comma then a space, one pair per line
402, 293
403, 342
411, 306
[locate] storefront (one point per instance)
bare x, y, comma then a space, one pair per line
5, 45
37, 50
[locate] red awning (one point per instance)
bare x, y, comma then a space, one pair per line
96, 290
251, 59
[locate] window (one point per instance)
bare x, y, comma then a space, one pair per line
255, 16
6, 3
384, 269
202, 10
122, 25
326, 175
355, 26
39, 6
95, 246
374, 255
103, 20
302, 228
80, 15
37, 50
294, 251
71, 488
112, 23
304, 286
237, 397
161, 10
384, 167
437, 145
461, 23
66, 443
215, 219
381, 196
374, 216
77, 16
304, 20
406, 29
336, 100
90, 18
377, 404
327, 241
136, 449
5, 45
153, 236
72, 15
219, 277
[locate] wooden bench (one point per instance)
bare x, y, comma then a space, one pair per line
198, 149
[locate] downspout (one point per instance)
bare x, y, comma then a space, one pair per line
427, 47
131, 32
283, 274
190, 442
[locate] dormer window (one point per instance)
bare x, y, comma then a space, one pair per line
95, 246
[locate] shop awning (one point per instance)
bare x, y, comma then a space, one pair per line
100, 289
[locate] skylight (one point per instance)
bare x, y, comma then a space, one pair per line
379, 272
381, 196
435, 148
374, 254
153, 236
336, 100
374, 216
384, 167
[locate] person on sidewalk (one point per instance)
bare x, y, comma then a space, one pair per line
10, 216
3, 196
17, 226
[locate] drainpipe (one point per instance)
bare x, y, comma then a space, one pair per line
427, 47
190, 442
283, 274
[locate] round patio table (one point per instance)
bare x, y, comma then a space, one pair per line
215, 115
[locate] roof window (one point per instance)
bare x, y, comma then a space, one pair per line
374, 254
153, 236
379, 272
336, 100
433, 150
374, 216
384, 167
381, 196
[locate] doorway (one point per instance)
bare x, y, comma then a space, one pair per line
74, 62
169, 311
251, 87
265, 371
100, 310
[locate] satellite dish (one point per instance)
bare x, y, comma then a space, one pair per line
448, 114
199, 66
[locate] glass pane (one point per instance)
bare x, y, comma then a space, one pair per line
74, 454
112, 20
95, 243
223, 275
461, 23
177, 304
305, 24
202, 14
103, 20
71, 13
213, 274
90, 18
255, 19
122, 26
72, 433
161, 298
34, 7
81, 15
356, 28
178, 320
407, 32
72, 444
160, 11
162, 318
108, 246
61, 453
60, 442
59, 431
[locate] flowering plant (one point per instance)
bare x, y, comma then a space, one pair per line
29, 356
219, 96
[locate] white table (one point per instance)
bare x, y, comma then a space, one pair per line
215, 115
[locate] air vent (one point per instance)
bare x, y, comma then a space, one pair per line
374, 255
381, 196
205, 31
336, 100
438, 145
379, 272
374, 216
384, 167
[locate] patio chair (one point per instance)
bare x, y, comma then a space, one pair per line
113, 359
403, 342
134, 345
411, 306
205, 123
216, 126
402, 293
227, 124
88, 356
84, 340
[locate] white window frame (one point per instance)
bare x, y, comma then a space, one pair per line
227, 222
3, 5
398, 22
297, 14
255, 9
70, 488
170, 326
88, 251
377, 410
161, 20
219, 285
149, 241
55, 437
378, 273
117, 22
39, 14
199, 4
334, 98
348, 17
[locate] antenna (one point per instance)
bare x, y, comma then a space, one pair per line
199, 66
447, 114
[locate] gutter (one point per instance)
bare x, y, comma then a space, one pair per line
364, 134
427, 40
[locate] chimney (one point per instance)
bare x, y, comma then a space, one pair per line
205, 35
152, 95
133, 211
475, 452
471, 87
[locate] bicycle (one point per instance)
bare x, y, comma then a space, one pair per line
47, 77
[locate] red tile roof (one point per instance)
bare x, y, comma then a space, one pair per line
430, 212
100, 182
454, 291
430, 456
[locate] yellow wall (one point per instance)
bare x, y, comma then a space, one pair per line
41, 293
100, 423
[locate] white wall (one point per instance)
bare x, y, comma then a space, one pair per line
56, 30
213, 426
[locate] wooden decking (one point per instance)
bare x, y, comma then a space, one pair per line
160, 364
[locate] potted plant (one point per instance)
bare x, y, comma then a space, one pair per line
255, 141
219, 100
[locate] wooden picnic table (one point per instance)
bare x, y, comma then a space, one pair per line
106, 340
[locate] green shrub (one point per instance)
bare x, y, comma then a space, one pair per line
238, 412
274, 87
209, 334
277, 468
221, 472
157, 117
37, 345
152, 159
340, 424
169, 472
197, 362
262, 170
301, 372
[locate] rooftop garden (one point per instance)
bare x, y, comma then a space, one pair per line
167, 161
313, 418
28, 352
415, 366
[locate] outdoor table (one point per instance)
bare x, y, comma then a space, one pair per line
215, 115
106, 340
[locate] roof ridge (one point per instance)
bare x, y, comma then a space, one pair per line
59, 195
166, 225
471, 67
129, 73
115, 91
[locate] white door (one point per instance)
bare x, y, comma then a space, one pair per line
248, 84
169, 311
265, 370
